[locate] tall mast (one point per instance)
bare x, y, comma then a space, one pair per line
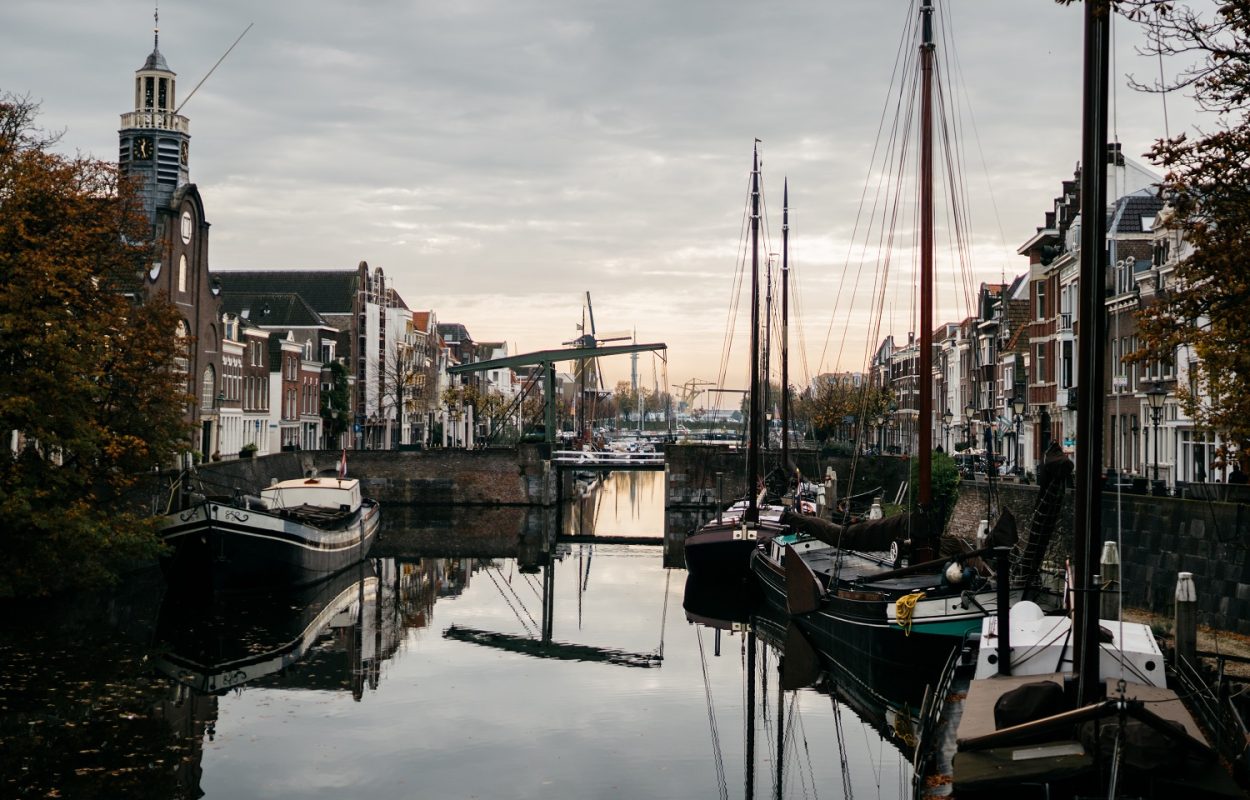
1091, 357
785, 328
766, 367
753, 429
925, 377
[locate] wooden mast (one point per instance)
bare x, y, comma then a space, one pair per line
753, 427
925, 378
1091, 357
785, 329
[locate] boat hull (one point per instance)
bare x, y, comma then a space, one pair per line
722, 551
219, 546
849, 630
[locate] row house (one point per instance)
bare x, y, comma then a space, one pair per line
1006, 378
351, 316
424, 393
458, 423
896, 369
954, 391
1130, 252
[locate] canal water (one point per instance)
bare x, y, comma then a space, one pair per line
422, 674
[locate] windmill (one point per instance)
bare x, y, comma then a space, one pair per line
588, 375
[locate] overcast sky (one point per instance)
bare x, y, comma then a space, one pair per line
499, 158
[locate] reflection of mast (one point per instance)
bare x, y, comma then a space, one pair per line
750, 715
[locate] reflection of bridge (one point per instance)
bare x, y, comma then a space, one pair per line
547, 648
607, 459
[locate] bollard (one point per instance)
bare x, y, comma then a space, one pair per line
1186, 619
1110, 566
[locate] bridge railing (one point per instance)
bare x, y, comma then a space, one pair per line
605, 458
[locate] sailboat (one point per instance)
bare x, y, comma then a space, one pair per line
1077, 706
722, 547
847, 585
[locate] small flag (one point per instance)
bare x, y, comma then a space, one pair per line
343, 465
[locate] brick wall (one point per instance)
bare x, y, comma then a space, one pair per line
426, 477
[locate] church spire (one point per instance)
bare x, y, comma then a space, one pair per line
154, 140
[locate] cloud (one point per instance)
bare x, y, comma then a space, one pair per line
500, 158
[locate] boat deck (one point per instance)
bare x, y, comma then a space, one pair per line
978, 707
855, 567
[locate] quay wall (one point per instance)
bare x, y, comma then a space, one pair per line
513, 476
1160, 537
691, 473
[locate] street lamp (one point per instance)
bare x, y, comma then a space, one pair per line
1136, 429
221, 399
1156, 397
947, 416
880, 434
970, 411
1018, 408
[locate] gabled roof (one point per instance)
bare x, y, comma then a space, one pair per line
330, 291
279, 310
454, 332
1131, 209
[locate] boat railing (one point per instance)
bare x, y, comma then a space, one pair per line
930, 719
1213, 706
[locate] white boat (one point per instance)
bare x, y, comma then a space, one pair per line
295, 532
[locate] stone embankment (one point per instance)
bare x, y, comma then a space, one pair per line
520, 476
1159, 538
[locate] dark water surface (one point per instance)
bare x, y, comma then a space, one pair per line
573, 674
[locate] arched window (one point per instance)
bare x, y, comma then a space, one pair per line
208, 388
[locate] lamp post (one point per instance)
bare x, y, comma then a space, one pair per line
947, 416
1018, 408
221, 399
1156, 396
881, 434
970, 411
1136, 429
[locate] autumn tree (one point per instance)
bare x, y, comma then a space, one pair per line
89, 393
1207, 186
838, 409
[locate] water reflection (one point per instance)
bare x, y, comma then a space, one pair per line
623, 503
776, 649
475, 654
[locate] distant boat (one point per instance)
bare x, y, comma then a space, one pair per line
295, 532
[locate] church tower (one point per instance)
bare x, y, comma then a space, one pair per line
154, 139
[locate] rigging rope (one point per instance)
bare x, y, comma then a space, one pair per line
717, 758
529, 631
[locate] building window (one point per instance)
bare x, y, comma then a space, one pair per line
208, 386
